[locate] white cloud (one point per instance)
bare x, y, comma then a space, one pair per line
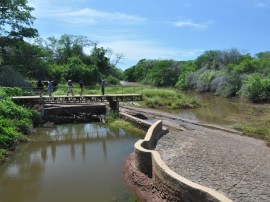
190, 23
94, 16
261, 4
67, 14
135, 50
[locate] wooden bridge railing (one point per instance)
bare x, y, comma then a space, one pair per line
62, 90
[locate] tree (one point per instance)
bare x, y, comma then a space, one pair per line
15, 25
60, 50
16, 19
101, 61
26, 59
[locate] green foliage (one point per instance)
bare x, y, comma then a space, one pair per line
162, 93
260, 132
167, 98
208, 58
112, 81
154, 72
16, 19
14, 120
186, 68
116, 123
8, 133
138, 72
8, 92
163, 73
225, 84
247, 66
257, 88
75, 70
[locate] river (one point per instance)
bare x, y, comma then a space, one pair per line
218, 110
82, 162
71, 162
224, 111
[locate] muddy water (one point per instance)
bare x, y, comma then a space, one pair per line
76, 162
223, 111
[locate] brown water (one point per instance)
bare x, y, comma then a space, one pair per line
68, 163
223, 111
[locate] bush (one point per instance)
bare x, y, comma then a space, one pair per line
112, 80
256, 88
8, 133
14, 120
8, 91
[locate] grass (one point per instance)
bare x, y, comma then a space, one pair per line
168, 98
114, 121
257, 125
259, 128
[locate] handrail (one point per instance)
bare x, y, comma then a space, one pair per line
60, 90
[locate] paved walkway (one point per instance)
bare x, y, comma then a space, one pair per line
235, 165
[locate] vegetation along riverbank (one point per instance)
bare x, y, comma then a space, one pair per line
15, 122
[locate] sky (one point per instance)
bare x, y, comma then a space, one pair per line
158, 29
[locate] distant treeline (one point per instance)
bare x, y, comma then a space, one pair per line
226, 73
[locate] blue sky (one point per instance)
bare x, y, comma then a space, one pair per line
159, 29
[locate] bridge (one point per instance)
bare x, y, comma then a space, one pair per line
62, 100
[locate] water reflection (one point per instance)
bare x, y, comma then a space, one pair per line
68, 163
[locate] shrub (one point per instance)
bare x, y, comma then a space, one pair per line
112, 80
256, 88
14, 120
8, 91
8, 133
203, 83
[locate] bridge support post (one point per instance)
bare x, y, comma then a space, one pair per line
42, 110
114, 105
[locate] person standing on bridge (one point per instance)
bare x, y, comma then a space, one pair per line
70, 90
103, 86
81, 87
40, 87
50, 87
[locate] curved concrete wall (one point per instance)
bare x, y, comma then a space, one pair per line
169, 184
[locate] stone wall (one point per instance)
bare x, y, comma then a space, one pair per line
135, 121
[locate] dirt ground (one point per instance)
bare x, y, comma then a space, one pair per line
139, 183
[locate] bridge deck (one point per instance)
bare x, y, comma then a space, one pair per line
78, 98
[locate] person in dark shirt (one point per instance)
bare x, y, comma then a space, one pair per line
81, 87
103, 86
40, 87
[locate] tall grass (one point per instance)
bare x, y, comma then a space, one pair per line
153, 97
168, 98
